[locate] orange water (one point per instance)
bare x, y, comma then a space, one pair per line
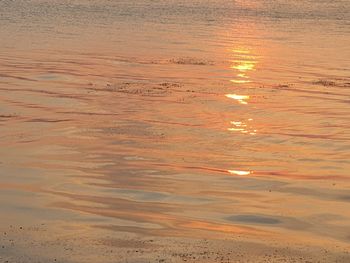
172, 118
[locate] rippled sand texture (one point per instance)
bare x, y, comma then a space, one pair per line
175, 120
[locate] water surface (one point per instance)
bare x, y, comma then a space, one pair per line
177, 118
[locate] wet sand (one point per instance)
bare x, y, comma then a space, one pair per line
174, 131
46, 244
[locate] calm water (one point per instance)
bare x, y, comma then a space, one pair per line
177, 118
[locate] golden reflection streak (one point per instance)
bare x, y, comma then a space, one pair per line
243, 65
240, 98
241, 127
240, 81
244, 61
239, 172
242, 75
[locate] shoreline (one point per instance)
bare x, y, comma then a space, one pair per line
77, 245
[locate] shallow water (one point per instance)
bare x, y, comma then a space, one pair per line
177, 118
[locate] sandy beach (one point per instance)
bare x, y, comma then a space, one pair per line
46, 244
174, 131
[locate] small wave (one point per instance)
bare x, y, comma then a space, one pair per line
8, 116
191, 61
332, 83
142, 89
48, 120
